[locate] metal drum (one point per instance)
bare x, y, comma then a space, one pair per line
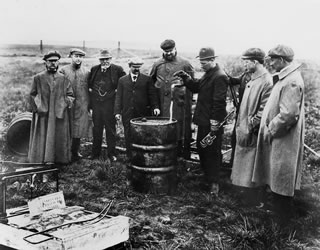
18, 133
154, 155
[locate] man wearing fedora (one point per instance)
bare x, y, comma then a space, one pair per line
254, 98
162, 75
209, 113
278, 162
51, 97
103, 82
78, 76
136, 97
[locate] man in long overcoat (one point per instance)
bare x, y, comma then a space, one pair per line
103, 83
51, 96
136, 97
254, 98
209, 113
162, 74
78, 76
281, 136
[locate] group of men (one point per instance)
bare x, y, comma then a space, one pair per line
269, 128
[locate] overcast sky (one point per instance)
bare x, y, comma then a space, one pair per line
229, 26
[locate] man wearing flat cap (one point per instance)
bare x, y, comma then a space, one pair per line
136, 97
103, 83
78, 76
279, 154
162, 75
209, 113
255, 96
51, 97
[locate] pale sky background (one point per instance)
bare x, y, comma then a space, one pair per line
229, 26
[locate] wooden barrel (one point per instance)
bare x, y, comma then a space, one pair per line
18, 133
154, 155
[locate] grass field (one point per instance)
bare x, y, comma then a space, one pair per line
190, 218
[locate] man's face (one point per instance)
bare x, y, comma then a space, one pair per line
249, 65
76, 59
52, 65
275, 64
135, 69
206, 64
170, 54
105, 62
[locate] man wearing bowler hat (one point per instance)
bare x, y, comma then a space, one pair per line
78, 76
162, 75
103, 83
278, 162
209, 113
51, 97
254, 98
136, 97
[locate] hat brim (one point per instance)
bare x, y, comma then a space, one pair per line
50, 58
208, 57
105, 57
252, 58
135, 64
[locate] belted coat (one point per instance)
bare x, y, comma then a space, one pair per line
280, 146
79, 112
162, 74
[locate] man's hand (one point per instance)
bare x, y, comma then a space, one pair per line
214, 125
156, 112
118, 117
182, 74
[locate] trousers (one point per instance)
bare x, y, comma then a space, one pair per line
103, 118
210, 156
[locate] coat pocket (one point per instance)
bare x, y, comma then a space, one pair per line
246, 139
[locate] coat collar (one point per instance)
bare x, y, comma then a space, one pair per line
209, 74
288, 70
258, 74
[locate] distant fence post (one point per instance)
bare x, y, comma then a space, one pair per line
118, 51
84, 45
41, 47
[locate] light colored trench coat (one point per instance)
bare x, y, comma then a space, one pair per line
79, 111
281, 136
50, 137
254, 99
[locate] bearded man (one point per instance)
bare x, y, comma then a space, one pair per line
162, 74
51, 97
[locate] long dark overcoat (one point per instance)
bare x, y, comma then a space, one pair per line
50, 135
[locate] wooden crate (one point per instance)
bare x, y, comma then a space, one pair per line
108, 232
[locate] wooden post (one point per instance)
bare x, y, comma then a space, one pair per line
41, 47
84, 45
118, 51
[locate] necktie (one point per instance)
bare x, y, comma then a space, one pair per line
275, 79
104, 70
134, 78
